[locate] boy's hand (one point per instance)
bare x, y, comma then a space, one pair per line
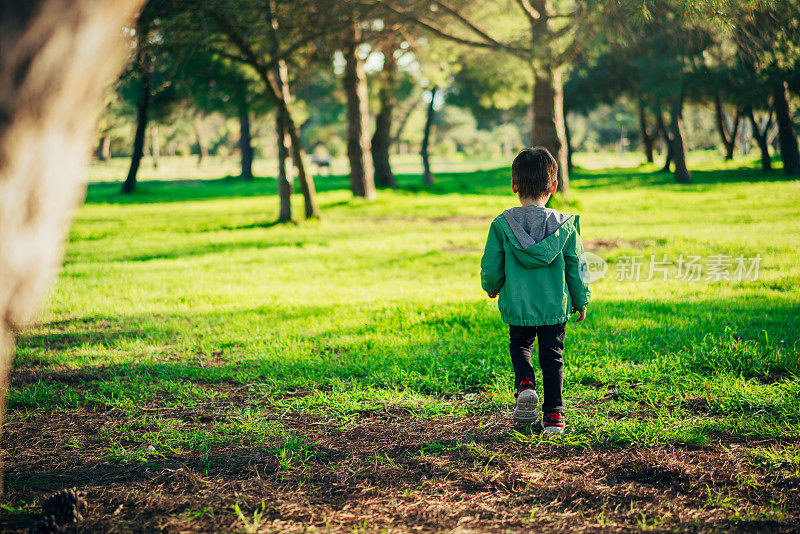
581, 316
492, 295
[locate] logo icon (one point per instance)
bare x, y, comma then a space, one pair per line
592, 267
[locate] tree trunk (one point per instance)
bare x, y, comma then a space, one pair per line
761, 138
568, 137
682, 173
103, 151
662, 126
245, 142
285, 178
278, 91
141, 128
202, 145
647, 134
51, 89
402, 126
382, 138
726, 133
362, 182
427, 175
548, 119
787, 137
282, 138
155, 149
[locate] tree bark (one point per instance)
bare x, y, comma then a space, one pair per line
141, 127
662, 126
51, 89
682, 173
103, 151
548, 119
787, 138
155, 149
647, 134
382, 138
245, 142
362, 183
427, 175
761, 138
727, 134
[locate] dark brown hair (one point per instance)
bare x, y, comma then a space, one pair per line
534, 170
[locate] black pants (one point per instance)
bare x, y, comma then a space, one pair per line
551, 360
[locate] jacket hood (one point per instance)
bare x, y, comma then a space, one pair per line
537, 235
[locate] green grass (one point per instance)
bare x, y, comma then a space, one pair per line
186, 285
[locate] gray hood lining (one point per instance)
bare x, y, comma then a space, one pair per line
533, 224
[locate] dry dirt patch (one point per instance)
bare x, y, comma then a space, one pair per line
390, 471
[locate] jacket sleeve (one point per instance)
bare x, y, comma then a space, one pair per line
575, 265
493, 268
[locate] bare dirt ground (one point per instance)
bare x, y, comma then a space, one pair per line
389, 472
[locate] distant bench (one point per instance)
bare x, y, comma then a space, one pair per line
320, 162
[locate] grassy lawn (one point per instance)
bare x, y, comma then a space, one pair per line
207, 370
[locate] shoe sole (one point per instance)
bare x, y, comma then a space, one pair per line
553, 429
526, 410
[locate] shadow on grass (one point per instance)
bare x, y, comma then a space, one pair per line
429, 350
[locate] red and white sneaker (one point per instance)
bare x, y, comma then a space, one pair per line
553, 423
525, 412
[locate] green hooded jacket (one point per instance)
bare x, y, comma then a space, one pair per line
534, 258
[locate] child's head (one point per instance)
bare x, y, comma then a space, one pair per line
534, 173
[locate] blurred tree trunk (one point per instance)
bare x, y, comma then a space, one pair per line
682, 173
427, 175
647, 133
761, 137
726, 133
362, 182
103, 151
51, 89
568, 137
382, 138
155, 148
667, 133
202, 145
245, 142
141, 119
786, 134
402, 126
548, 119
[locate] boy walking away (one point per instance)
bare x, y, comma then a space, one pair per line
534, 260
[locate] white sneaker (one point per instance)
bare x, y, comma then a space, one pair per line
526, 411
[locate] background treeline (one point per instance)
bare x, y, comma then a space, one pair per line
363, 80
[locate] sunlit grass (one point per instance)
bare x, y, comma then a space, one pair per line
182, 286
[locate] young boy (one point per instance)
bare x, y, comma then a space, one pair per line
534, 260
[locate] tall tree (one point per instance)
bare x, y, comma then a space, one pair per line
144, 66
387, 100
767, 34
250, 45
51, 91
556, 32
362, 182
